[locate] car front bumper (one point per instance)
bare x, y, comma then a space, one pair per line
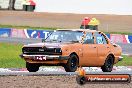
44, 57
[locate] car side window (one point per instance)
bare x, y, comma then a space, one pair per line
100, 39
89, 39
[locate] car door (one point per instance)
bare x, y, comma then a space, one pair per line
89, 50
103, 48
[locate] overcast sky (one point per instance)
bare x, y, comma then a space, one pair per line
85, 6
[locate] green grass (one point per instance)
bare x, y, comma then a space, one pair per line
127, 61
9, 55
125, 33
24, 27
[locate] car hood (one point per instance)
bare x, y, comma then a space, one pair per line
48, 45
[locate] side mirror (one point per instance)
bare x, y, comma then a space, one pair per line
43, 40
114, 45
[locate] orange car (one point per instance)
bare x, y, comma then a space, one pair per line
71, 48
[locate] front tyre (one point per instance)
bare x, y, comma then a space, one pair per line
108, 65
32, 67
72, 64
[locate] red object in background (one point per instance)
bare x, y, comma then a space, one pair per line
117, 38
18, 33
85, 21
32, 2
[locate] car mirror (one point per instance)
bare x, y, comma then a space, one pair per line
115, 45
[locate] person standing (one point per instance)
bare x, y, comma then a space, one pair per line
12, 4
33, 4
93, 24
84, 24
29, 5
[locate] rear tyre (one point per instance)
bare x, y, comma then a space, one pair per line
32, 67
72, 64
108, 65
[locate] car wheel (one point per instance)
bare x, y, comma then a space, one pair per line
32, 67
72, 64
108, 65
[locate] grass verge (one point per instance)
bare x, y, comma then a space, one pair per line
9, 55
124, 33
127, 61
24, 27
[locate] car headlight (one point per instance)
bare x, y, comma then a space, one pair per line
58, 50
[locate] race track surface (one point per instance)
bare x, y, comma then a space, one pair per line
59, 70
20, 40
53, 82
55, 79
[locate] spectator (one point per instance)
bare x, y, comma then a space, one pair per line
84, 24
93, 24
32, 3
12, 5
29, 5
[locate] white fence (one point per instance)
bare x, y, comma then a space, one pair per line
19, 4
4, 4
120, 7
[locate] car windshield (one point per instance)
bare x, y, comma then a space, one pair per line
64, 36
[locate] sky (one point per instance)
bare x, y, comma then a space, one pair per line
120, 7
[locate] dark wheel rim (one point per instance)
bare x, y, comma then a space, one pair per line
109, 63
73, 62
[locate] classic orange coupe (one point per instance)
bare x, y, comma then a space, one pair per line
71, 48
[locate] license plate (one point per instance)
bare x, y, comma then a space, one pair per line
40, 57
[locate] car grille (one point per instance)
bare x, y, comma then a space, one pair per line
40, 50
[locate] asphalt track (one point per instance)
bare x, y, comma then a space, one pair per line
20, 40
55, 73
126, 48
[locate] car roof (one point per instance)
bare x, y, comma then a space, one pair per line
86, 30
